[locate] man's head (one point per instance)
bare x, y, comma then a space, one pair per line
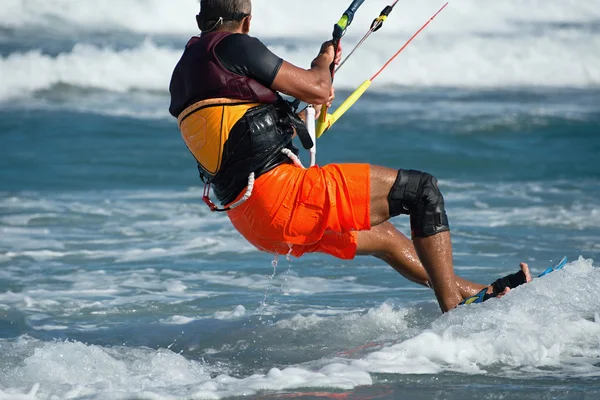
228, 15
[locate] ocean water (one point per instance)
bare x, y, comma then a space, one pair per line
116, 282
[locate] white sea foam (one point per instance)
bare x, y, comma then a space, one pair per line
134, 225
544, 328
32, 71
50, 327
77, 290
575, 216
274, 18
432, 62
147, 16
177, 320
510, 43
98, 291
289, 283
128, 218
549, 327
521, 204
73, 369
365, 329
237, 312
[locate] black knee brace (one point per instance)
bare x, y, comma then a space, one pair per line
417, 194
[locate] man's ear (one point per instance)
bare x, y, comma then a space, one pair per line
199, 21
246, 24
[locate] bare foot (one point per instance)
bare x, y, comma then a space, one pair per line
525, 269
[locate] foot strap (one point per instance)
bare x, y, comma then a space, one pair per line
511, 281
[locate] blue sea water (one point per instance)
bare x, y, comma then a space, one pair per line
116, 282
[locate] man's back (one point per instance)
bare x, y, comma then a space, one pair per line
223, 65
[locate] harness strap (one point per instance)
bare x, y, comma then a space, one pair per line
289, 118
251, 179
205, 103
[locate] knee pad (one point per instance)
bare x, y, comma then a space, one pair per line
417, 194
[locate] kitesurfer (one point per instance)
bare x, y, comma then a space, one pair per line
225, 93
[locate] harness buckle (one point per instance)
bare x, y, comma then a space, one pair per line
213, 207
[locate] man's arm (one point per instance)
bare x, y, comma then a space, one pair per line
312, 86
247, 56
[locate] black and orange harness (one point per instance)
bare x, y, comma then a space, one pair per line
235, 127
234, 142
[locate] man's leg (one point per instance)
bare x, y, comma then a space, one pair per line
387, 243
416, 194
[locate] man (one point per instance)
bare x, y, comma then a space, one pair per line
224, 93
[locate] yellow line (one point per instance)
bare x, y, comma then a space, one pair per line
331, 119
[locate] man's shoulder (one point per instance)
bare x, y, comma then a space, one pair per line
193, 40
241, 39
234, 38
230, 41
238, 45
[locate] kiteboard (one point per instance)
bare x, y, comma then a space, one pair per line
558, 266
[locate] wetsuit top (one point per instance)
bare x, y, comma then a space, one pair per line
230, 118
240, 54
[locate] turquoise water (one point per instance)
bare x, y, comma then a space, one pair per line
117, 282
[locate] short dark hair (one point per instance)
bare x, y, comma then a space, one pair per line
232, 13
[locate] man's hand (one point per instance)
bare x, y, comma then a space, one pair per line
338, 56
312, 86
328, 104
317, 107
327, 48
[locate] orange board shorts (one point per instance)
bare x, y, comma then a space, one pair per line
294, 211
